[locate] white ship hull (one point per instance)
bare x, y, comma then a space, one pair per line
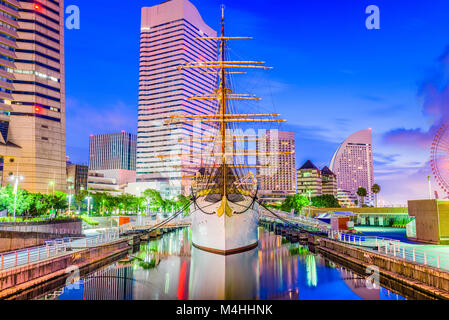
225, 234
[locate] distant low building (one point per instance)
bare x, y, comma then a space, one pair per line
309, 180
137, 188
122, 177
329, 182
97, 182
346, 198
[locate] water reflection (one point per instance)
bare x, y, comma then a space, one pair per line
170, 268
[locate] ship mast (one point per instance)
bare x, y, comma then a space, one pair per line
223, 100
222, 95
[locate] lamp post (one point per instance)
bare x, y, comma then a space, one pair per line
52, 184
16, 180
70, 202
88, 204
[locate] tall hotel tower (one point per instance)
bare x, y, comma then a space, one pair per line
353, 164
169, 38
32, 92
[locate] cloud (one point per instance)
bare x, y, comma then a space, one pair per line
409, 137
434, 92
83, 119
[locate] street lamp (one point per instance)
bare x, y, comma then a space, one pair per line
88, 198
52, 184
16, 180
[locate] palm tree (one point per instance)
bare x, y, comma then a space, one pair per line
361, 192
375, 189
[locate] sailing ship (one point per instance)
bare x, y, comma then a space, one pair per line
224, 193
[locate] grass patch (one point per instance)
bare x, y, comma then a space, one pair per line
89, 220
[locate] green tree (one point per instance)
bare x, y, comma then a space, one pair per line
325, 201
41, 204
296, 202
375, 189
181, 202
24, 200
361, 192
154, 198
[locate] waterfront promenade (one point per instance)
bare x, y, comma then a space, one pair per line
54, 248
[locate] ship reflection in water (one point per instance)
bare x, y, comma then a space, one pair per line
170, 268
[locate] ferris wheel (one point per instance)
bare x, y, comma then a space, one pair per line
439, 160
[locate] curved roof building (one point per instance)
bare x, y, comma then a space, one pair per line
353, 162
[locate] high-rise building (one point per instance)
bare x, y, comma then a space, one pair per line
77, 177
114, 151
33, 92
353, 164
329, 182
278, 180
309, 180
9, 152
169, 38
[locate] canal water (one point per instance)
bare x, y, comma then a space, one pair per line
171, 268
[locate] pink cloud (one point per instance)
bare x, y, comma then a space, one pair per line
435, 95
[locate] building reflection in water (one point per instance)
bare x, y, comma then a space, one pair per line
171, 269
112, 283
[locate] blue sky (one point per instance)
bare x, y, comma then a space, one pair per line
331, 75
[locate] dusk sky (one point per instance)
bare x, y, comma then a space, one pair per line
331, 76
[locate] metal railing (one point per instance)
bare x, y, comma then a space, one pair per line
360, 240
51, 249
26, 256
88, 242
395, 248
416, 253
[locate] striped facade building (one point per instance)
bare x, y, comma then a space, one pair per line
32, 121
9, 15
169, 35
113, 151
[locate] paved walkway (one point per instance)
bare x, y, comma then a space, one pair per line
53, 248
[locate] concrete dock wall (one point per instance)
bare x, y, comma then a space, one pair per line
429, 279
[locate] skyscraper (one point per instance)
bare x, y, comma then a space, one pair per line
113, 151
37, 93
169, 38
353, 164
9, 152
279, 179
